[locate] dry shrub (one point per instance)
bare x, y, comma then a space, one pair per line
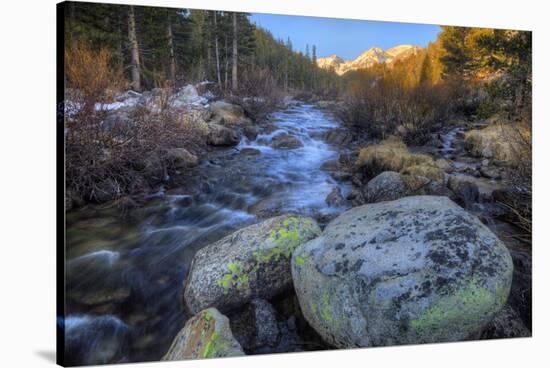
392, 155
258, 93
384, 106
109, 155
518, 199
102, 164
91, 74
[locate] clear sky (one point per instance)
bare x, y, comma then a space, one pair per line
344, 37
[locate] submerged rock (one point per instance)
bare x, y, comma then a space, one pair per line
206, 335
250, 151
335, 198
416, 270
285, 141
252, 262
91, 340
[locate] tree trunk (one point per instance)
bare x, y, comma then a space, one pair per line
135, 67
172, 57
226, 65
217, 51
234, 84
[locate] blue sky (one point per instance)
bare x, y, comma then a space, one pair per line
344, 37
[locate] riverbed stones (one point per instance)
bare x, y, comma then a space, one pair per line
247, 151
206, 335
219, 135
253, 262
335, 198
286, 141
181, 158
387, 186
416, 270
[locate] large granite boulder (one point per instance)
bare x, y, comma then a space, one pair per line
416, 270
253, 262
206, 335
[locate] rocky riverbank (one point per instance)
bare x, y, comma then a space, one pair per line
295, 235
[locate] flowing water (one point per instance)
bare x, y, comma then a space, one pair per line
124, 277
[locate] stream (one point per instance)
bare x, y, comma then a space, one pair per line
124, 277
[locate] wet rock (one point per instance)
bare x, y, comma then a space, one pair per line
338, 136
387, 186
506, 324
335, 198
416, 270
219, 135
253, 262
341, 175
97, 297
286, 141
255, 327
470, 189
206, 335
105, 191
490, 172
228, 114
91, 340
251, 132
250, 151
330, 165
181, 158
465, 190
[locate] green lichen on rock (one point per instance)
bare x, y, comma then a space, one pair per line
212, 345
206, 335
300, 261
236, 277
475, 299
326, 313
253, 261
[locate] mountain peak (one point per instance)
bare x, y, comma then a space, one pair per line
368, 58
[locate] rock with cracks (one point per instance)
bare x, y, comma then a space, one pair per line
206, 335
253, 262
416, 270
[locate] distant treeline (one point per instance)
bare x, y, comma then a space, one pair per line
153, 46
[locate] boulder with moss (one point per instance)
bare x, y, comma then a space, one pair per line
206, 335
253, 262
416, 270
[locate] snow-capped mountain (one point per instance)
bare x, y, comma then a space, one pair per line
372, 56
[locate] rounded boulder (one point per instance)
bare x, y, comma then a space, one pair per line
416, 270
